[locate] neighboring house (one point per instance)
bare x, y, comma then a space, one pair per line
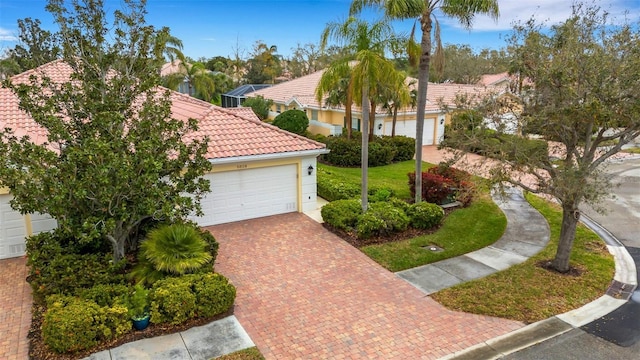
236, 97
173, 67
258, 169
299, 94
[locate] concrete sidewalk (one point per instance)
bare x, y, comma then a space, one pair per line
526, 234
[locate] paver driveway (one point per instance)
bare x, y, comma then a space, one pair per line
15, 309
303, 293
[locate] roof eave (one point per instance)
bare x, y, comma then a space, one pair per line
236, 159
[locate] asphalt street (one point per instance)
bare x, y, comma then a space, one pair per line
617, 335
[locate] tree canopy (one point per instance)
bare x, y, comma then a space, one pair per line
583, 100
114, 156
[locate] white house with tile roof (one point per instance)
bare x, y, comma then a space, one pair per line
299, 94
258, 169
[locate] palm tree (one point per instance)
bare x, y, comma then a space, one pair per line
336, 81
396, 95
199, 81
462, 10
367, 67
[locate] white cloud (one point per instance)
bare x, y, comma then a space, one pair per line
7, 35
544, 11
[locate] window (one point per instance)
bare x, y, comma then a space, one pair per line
278, 108
314, 114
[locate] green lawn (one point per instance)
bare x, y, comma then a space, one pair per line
529, 293
392, 176
247, 354
463, 231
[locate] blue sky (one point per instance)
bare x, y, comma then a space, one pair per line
217, 27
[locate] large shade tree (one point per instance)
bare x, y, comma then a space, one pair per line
367, 67
424, 10
584, 99
113, 156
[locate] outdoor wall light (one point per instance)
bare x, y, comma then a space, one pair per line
441, 121
379, 126
310, 169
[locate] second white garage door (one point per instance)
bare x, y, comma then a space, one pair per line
408, 128
250, 193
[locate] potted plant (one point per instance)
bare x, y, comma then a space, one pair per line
139, 307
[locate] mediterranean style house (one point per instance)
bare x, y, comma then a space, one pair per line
299, 94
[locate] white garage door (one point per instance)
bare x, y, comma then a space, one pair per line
248, 194
12, 230
408, 128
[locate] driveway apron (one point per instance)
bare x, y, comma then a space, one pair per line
304, 293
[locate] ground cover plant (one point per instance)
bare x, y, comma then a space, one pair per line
547, 292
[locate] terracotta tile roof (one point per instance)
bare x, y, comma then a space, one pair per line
303, 89
232, 132
494, 79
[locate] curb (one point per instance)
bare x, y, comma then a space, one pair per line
625, 278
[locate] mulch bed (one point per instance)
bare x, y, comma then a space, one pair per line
38, 350
572, 272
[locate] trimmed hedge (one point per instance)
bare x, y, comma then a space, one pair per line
342, 214
333, 189
425, 215
381, 218
72, 324
382, 151
174, 300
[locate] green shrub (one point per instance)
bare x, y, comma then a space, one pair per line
381, 219
72, 324
398, 203
379, 194
425, 215
344, 152
214, 294
138, 302
70, 273
405, 147
342, 214
295, 121
106, 294
334, 189
380, 154
172, 301
259, 105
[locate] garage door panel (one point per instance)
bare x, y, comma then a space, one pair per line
250, 193
12, 230
408, 128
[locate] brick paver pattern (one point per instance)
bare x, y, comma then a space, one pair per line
304, 293
15, 309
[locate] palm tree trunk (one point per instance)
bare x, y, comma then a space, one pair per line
393, 123
347, 108
365, 147
423, 81
372, 119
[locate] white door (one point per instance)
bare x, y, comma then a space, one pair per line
12, 230
408, 128
250, 193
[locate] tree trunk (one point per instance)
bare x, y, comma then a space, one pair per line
393, 123
570, 217
365, 146
423, 81
347, 108
372, 119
